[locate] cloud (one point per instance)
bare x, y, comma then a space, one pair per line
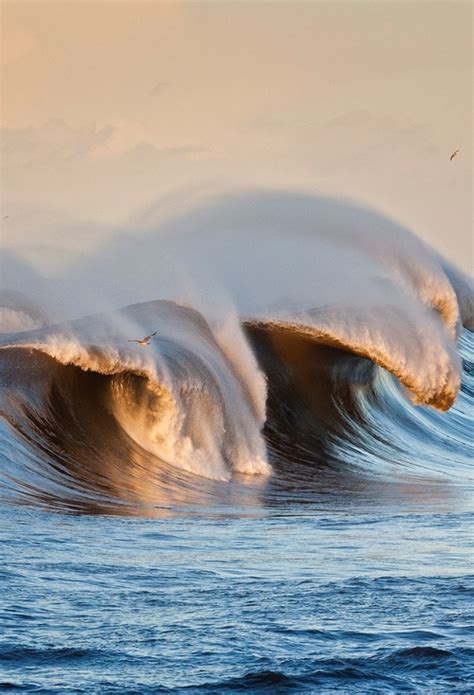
57, 142
53, 142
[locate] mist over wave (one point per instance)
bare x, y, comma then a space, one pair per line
292, 334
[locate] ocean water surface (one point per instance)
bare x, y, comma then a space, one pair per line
314, 599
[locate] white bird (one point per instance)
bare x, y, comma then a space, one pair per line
144, 341
453, 155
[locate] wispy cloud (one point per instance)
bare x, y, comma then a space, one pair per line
52, 142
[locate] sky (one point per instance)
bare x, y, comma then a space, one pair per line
110, 109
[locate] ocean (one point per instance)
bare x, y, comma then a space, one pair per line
276, 498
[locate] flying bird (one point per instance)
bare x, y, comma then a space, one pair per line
159, 86
453, 155
144, 341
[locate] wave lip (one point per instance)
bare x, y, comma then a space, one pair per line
419, 353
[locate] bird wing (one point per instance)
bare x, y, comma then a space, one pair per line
453, 155
133, 341
148, 337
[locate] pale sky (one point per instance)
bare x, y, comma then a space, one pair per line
111, 108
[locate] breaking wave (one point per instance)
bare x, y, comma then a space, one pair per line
247, 408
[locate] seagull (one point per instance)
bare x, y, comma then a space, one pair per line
453, 155
144, 341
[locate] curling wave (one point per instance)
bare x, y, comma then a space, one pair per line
181, 399
316, 380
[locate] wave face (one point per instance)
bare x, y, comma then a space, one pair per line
349, 368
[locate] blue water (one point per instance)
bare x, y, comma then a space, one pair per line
362, 596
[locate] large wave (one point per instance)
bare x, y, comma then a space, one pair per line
340, 322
